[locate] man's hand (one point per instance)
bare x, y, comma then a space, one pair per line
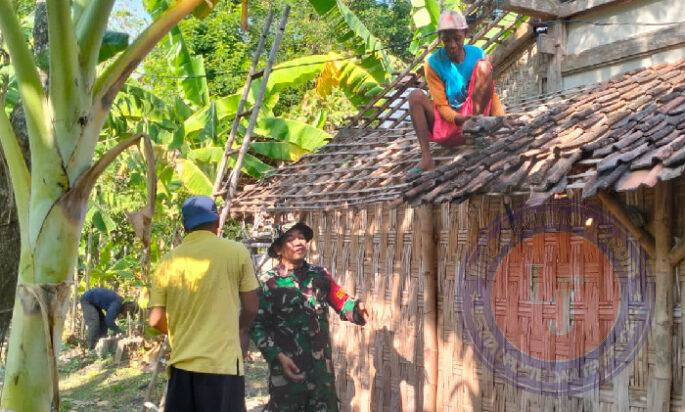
244, 342
362, 313
460, 119
290, 370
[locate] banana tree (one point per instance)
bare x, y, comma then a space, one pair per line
64, 124
357, 37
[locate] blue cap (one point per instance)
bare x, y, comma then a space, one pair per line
197, 211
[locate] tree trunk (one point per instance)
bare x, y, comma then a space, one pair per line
10, 246
64, 125
39, 311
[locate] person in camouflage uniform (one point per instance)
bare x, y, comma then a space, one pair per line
291, 329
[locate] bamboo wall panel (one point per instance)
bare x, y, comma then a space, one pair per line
374, 254
465, 384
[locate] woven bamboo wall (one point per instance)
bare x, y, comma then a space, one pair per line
374, 254
465, 385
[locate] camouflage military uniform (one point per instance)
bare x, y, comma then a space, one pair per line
293, 319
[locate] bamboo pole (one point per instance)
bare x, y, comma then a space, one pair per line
616, 209
235, 174
221, 170
660, 377
430, 318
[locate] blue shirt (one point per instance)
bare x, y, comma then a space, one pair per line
456, 76
106, 300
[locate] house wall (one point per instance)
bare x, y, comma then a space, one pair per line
583, 34
601, 74
375, 253
520, 78
468, 231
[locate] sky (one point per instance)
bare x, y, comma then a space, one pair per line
129, 16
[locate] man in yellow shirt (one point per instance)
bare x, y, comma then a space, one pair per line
204, 295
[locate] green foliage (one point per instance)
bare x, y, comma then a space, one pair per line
112, 43
425, 14
390, 21
24, 7
193, 178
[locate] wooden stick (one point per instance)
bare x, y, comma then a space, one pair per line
661, 375
155, 373
617, 210
221, 170
235, 175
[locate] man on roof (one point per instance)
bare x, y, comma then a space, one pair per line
461, 84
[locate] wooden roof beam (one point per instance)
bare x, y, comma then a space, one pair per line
523, 36
544, 9
581, 6
616, 208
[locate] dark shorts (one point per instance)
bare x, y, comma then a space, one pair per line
200, 392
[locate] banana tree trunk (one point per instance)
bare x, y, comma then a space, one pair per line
51, 193
42, 296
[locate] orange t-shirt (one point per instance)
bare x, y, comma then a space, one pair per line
437, 91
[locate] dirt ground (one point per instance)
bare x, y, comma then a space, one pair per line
89, 383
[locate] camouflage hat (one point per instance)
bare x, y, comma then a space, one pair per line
280, 232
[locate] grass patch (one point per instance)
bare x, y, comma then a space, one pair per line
88, 383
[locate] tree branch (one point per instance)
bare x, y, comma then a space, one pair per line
66, 93
84, 184
78, 7
90, 31
48, 179
29, 84
19, 171
114, 77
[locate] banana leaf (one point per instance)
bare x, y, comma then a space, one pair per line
278, 150
296, 132
193, 178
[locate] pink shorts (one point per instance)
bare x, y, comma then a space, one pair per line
449, 134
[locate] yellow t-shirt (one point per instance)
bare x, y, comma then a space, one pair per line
198, 284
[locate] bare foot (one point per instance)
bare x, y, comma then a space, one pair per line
426, 164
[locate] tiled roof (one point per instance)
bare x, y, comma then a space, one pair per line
618, 135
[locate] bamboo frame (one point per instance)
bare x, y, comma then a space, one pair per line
661, 376
617, 210
228, 147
